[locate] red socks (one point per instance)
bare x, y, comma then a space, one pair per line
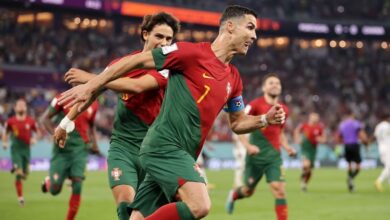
281, 209
74, 204
19, 188
168, 211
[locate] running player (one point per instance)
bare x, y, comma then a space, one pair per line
70, 162
308, 135
263, 151
350, 132
382, 135
201, 83
21, 126
135, 112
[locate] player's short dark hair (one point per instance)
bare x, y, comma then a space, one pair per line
269, 75
150, 21
234, 11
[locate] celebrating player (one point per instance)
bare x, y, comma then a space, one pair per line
21, 126
139, 104
308, 135
70, 162
263, 151
202, 81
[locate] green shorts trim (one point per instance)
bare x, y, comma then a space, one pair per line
166, 172
254, 171
124, 167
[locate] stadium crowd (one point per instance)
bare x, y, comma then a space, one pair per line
298, 9
324, 79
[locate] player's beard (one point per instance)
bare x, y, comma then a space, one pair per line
21, 113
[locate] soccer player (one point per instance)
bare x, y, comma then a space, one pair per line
308, 135
139, 103
70, 162
21, 127
263, 151
382, 135
351, 131
239, 153
201, 82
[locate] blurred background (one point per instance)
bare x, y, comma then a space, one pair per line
331, 56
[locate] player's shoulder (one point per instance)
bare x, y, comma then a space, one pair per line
257, 101
11, 119
192, 47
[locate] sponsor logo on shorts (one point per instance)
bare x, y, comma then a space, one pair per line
116, 173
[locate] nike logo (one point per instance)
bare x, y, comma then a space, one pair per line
206, 76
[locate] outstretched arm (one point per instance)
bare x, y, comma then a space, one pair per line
5, 138
284, 142
124, 85
84, 93
242, 123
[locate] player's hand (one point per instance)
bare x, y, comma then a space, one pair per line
95, 151
276, 115
5, 145
60, 137
33, 141
252, 149
291, 152
82, 94
77, 76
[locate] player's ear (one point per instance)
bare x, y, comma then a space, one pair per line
145, 35
230, 26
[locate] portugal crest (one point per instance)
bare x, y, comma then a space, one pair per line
116, 173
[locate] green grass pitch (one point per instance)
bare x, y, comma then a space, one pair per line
326, 199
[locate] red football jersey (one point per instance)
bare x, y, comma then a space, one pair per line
21, 129
272, 132
311, 132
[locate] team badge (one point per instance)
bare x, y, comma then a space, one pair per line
55, 176
27, 127
251, 180
116, 173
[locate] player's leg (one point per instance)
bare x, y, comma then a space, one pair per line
276, 177
348, 154
58, 172
252, 175
148, 199
17, 164
385, 174
124, 175
306, 173
76, 174
177, 174
308, 159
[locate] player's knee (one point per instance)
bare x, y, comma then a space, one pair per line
55, 189
76, 185
200, 210
247, 191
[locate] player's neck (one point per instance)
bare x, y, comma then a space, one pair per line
224, 53
20, 117
271, 100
